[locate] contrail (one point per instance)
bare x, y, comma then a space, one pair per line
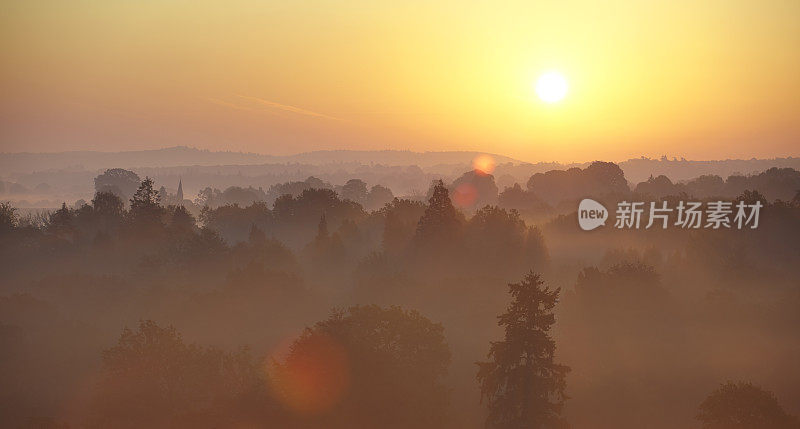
288, 108
228, 104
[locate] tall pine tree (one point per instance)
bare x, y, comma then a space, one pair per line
523, 386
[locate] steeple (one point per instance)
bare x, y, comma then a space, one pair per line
180, 190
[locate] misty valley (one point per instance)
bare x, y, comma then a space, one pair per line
311, 304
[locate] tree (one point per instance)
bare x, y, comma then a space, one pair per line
354, 190
61, 222
146, 209
241, 196
369, 367
118, 181
657, 187
107, 204
326, 254
495, 238
297, 218
440, 222
751, 197
743, 406
208, 197
523, 201
401, 218
152, 378
523, 386
378, 197
597, 180
180, 220
8, 217
234, 222
474, 189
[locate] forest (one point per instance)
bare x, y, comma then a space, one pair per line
318, 305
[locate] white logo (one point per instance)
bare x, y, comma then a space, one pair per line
591, 214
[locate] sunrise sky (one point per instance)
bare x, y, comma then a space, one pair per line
698, 79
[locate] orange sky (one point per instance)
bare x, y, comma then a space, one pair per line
703, 80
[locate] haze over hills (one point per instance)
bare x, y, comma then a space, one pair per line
16, 163
47, 179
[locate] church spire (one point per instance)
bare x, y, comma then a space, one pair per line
180, 190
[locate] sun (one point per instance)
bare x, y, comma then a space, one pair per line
551, 87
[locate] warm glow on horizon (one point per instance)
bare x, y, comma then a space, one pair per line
639, 78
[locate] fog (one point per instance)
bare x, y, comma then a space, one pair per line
365, 297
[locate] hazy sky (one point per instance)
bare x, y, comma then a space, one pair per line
700, 79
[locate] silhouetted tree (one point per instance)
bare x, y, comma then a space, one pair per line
146, 210
180, 220
522, 384
62, 222
234, 222
401, 218
744, 406
474, 189
378, 197
208, 197
597, 180
241, 196
151, 378
495, 239
118, 181
108, 205
298, 218
354, 190
294, 188
658, 187
751, 197
326, 254
523, 201
374, 368
8, 217
267, 251
705, 186
440, 222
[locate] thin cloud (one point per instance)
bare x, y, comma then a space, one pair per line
288, 108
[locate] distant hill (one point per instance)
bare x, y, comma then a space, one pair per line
26, 162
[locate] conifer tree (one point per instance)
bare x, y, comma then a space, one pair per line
521, 383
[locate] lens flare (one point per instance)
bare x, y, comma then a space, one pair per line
465, 195
483, 164
314, 377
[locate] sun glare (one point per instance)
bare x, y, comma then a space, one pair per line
551, 87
